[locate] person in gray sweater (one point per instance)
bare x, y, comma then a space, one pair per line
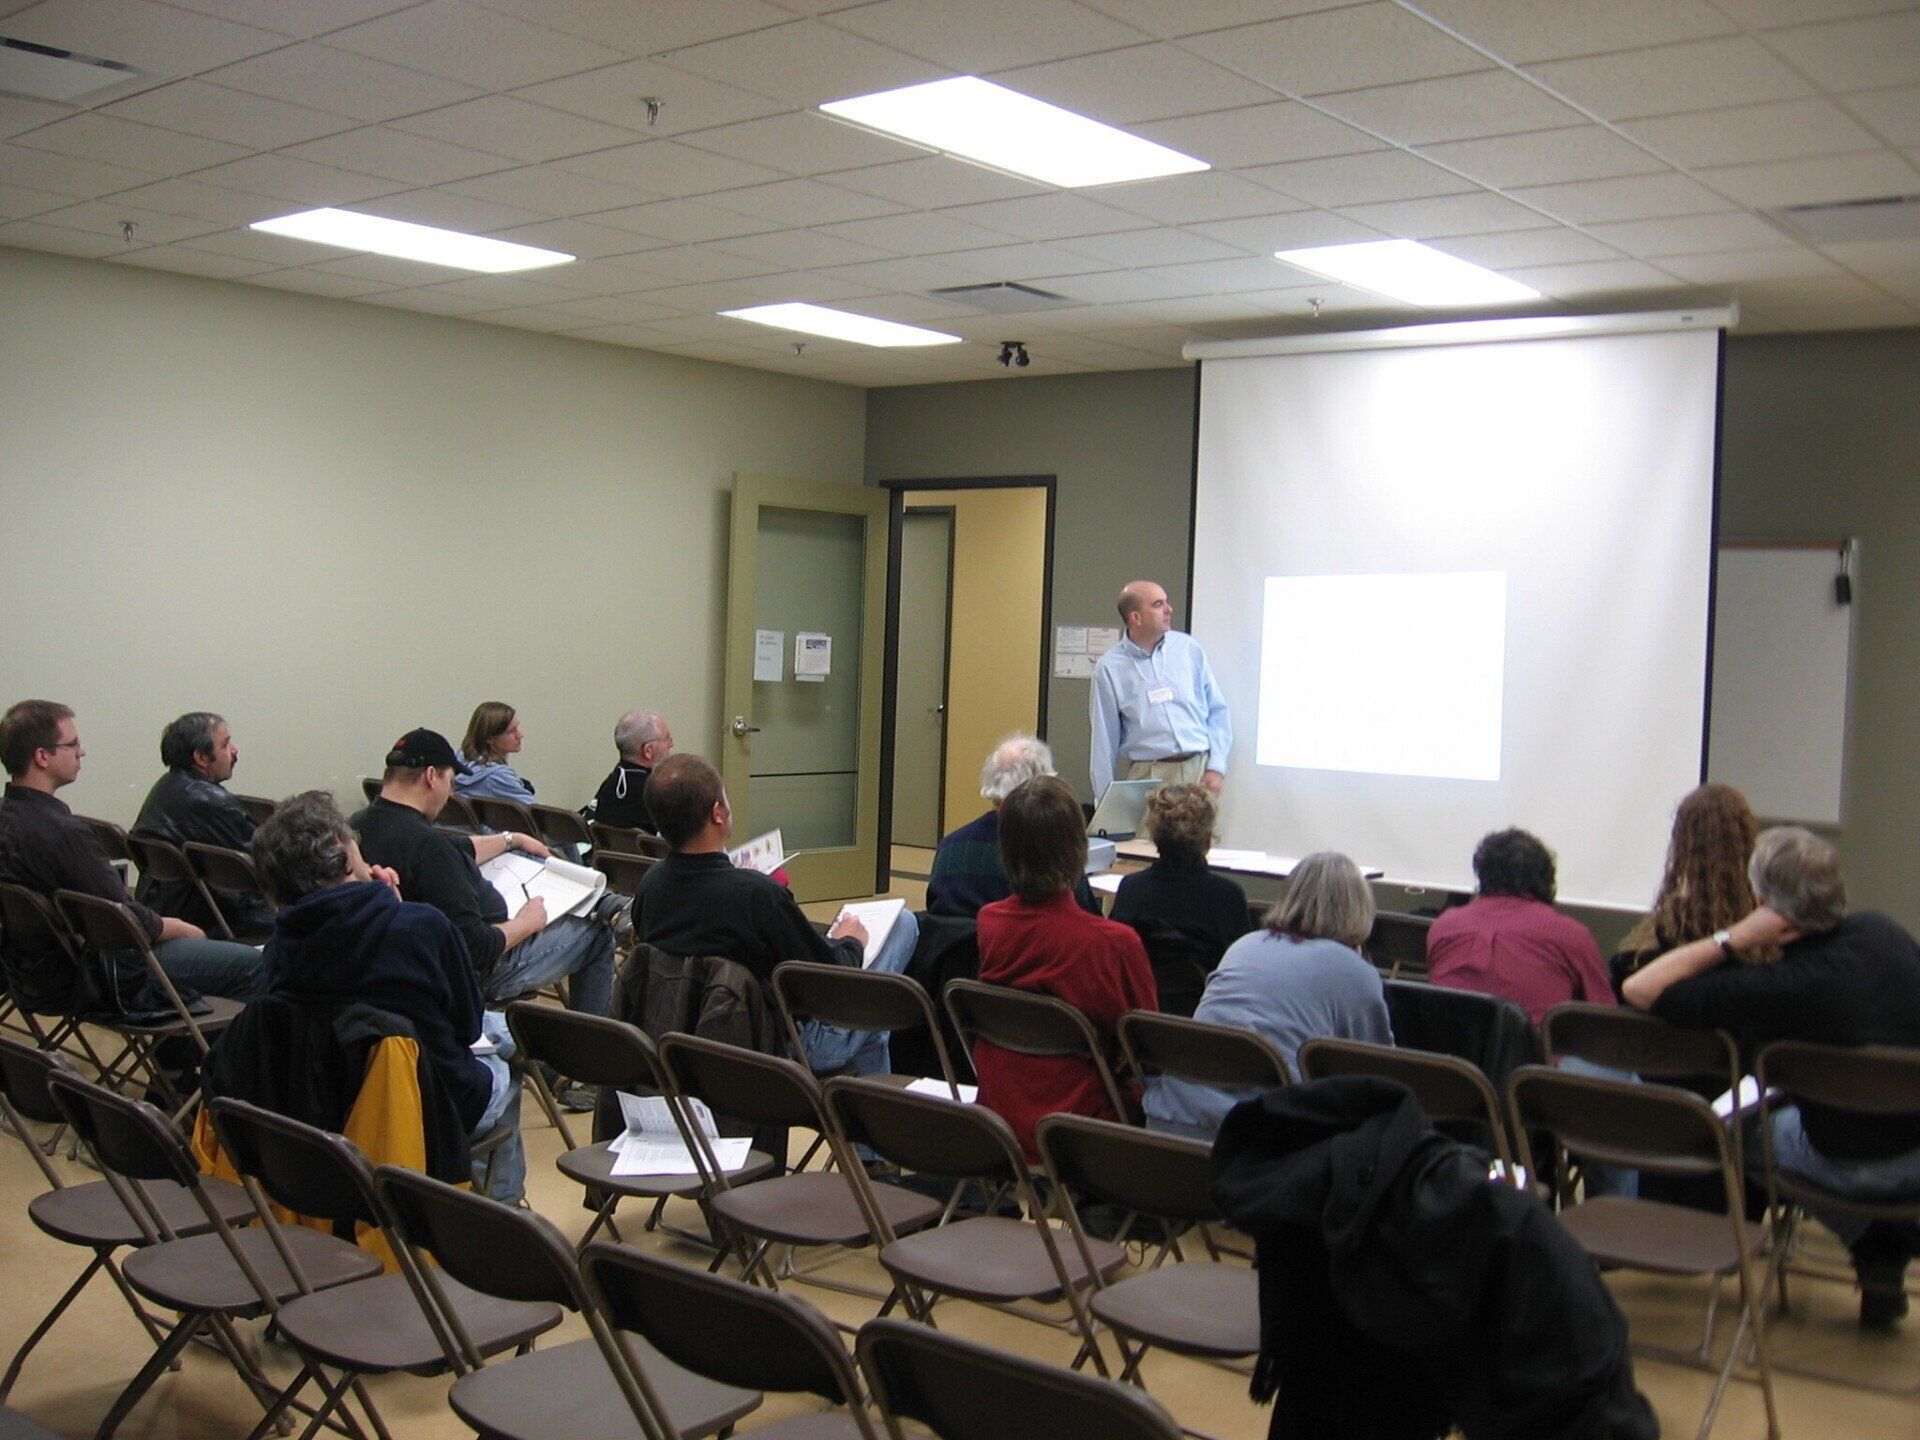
1299, 978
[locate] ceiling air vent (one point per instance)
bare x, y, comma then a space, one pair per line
41, 72
1883, 217
1002, 297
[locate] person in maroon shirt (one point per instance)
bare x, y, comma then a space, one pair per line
1040, 939
1510, 941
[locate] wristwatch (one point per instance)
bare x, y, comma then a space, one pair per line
1724, 939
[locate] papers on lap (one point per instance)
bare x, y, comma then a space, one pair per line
568, 889
653, 1145
879, 916
930, 1085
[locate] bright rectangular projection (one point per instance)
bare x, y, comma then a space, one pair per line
1341, 655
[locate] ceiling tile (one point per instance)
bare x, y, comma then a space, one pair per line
1602, 277
1183, 199
18, 114
1345, 49
612, 275
1702, 75
683, 220
550, 191
1854, 54
17, 201
1553, 245
60, 239
428, 300
1782, 263
270, 251
1454, 107
397, 155
1259, 135
286, 178
1048, 217
703, 263
1837, 302
1817, 181
806, 249
617, 94
1112, 287
318, 282
912, 309
461, 41
1783, 130
449, 208
799, 142
1522, 30
1223, 277
197, 108
390, 271
1145, 82
911, 274
1731, 230
106, 217
574, 237
921, 233
1440, 215
1764, 14
1631, 197
1152, 247
327, 79
618, 309
933, 181
511, 289
802, 202
1545, 157
182, 261
507, 125
152, 37
984, 35
295, 17
1361, 179
645, 27
213, 203
1018, 262
645, 337
666, 167
64, 175
1267, 233
1172, 18
804, 63
536, 317
122, 142
1893, 114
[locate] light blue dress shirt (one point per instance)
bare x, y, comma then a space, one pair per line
1129, 725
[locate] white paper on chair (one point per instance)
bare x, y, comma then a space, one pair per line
1747, 1097
652, 1144
930, 1085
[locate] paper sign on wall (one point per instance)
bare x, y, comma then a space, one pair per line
1102, 638
767, 645
812, 656
1078, 648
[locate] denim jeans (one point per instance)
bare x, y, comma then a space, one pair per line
831, 1048
510, 1160
1895, 1178
213, 967
572, 948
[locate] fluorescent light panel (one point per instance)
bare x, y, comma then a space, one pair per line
1407, 270
839, 325
404, 240
974, 119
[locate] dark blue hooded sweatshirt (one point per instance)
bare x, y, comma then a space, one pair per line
359, 942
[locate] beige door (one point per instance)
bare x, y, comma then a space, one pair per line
801, 752
920, 695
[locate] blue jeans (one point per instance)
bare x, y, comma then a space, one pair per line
831, 1048
503, 1107
572, 948
1895, 1178
213, 967
1604, 1179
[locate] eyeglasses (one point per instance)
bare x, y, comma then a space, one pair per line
63, 745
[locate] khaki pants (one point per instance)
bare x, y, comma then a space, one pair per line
1169, 772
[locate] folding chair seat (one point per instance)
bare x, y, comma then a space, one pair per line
734, 1334
1667, 1131
90, 1215
211, 1279
502, 815
804, 1207
560, 827
596, 1050
582, 1388
858, 1000
964, 1390
163, 861
993, 1259
623, 840
1451, 1090
1192, 1307
1029, 1023
375, 1326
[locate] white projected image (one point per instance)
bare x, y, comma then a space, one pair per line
1384, 674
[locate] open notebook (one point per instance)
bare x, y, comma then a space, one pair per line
568, 889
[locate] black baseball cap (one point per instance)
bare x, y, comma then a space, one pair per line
425, 750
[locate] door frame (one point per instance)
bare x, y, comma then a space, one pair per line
890, 677
889, 706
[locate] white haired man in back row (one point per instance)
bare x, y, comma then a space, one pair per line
966, 866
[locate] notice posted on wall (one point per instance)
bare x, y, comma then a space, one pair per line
1078, 648
768, 657
812, 656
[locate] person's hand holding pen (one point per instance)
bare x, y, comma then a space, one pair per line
848, 926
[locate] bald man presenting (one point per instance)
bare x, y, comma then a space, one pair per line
1157, 711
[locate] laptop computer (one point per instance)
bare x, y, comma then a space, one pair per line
1121, 809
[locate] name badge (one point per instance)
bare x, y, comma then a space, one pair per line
1160, 694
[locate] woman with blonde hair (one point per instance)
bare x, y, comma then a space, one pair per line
492, 735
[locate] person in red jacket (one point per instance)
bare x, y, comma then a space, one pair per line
1040, 939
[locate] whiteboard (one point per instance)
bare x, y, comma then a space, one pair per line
1782, 655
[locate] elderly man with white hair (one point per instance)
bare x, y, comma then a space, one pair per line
1843, 978
966, 867
642, 740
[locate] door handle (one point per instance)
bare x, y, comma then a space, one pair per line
937, 710
741, 729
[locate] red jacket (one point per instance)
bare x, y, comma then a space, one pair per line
1097, 966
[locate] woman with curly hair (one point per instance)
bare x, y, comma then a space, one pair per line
1186, 914
1705, 887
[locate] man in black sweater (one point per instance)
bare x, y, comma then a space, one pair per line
1842, 979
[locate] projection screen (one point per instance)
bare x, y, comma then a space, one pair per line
1450, 588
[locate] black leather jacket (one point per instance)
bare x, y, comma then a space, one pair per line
183, 806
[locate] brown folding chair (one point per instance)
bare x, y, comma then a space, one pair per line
89, 1215
561, 828
1397, 945
27, 912
502, 815
112, 838
1193, 1307
597, 1050
258, 807
211, 1279
804, 1207
625, 841
1227, 1057
964, 1390
623, 872
219, 868
370, 787
858, 1000
590, 1387
1667, 1131
162, 861
1864, 1080
733, 1334
1452, 1091
991, 1259
1029, 1023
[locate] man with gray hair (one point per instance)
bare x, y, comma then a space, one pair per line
641, 740
191, 803
966, 867
1843, 978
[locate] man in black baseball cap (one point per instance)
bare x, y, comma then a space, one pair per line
513, 955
